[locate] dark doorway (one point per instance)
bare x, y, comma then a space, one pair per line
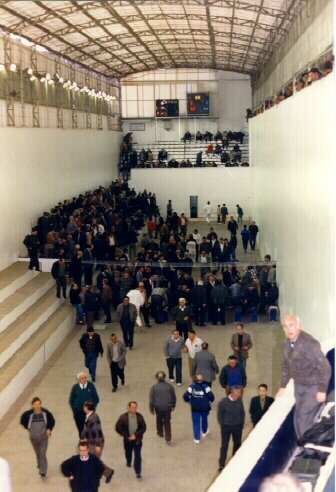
193, 207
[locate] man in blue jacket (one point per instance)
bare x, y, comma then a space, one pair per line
199, 395
233, 374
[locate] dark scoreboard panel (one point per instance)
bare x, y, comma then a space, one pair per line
198, 104
165, 108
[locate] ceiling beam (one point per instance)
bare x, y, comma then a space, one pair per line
252, 34
152, 31
107, 32
211, 34
55, 52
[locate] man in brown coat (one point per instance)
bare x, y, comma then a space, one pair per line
304, 361
132, 426
106, 299
241, 343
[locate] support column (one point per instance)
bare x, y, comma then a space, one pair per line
35, 100
9, 82
87, 99
73, 99
58, 95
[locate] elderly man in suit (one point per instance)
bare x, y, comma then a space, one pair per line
241, 343
205, 364
260, 404
116, 356
305, 363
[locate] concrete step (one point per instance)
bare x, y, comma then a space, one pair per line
13, 278
23, 366
17, 303
20, 331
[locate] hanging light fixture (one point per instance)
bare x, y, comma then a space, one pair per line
12, 67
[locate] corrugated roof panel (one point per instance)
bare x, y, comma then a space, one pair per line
182, 26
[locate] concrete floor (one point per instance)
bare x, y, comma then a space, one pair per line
182, 466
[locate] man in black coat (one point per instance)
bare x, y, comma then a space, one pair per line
91, 345
83, 470
260, 404
32, 244
232, 225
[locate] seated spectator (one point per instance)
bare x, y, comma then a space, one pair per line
210, 149
236, 148
313, 75
327, 67
218, 149
289, 91
199, 136
187, 136
270, 298
218, 136
163, 155
207, 137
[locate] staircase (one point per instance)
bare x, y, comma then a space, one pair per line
33, 323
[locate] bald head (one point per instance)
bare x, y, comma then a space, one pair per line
292, 327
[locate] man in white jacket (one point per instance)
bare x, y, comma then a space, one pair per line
136, 298
208, 210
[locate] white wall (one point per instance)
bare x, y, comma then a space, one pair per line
218, 185
292, 155
39, 168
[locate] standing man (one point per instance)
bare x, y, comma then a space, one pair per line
106, 299
181, 314
260, 404
162, 401
80, 393
199, 395
205, 364
32, 244
40, 423
132, 426
208, 210
58, 271
224, 212
137, 299
192, 345
93, 434
232, 374
199, 303
241, 343
240, 213
91, 345
84, 470
304, 361
87, 261
245, 234
116, 356
173, 353
253, 229
232, 225
231, 418
127, 315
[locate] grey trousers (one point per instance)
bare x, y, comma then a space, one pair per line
40, 446
306, 407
